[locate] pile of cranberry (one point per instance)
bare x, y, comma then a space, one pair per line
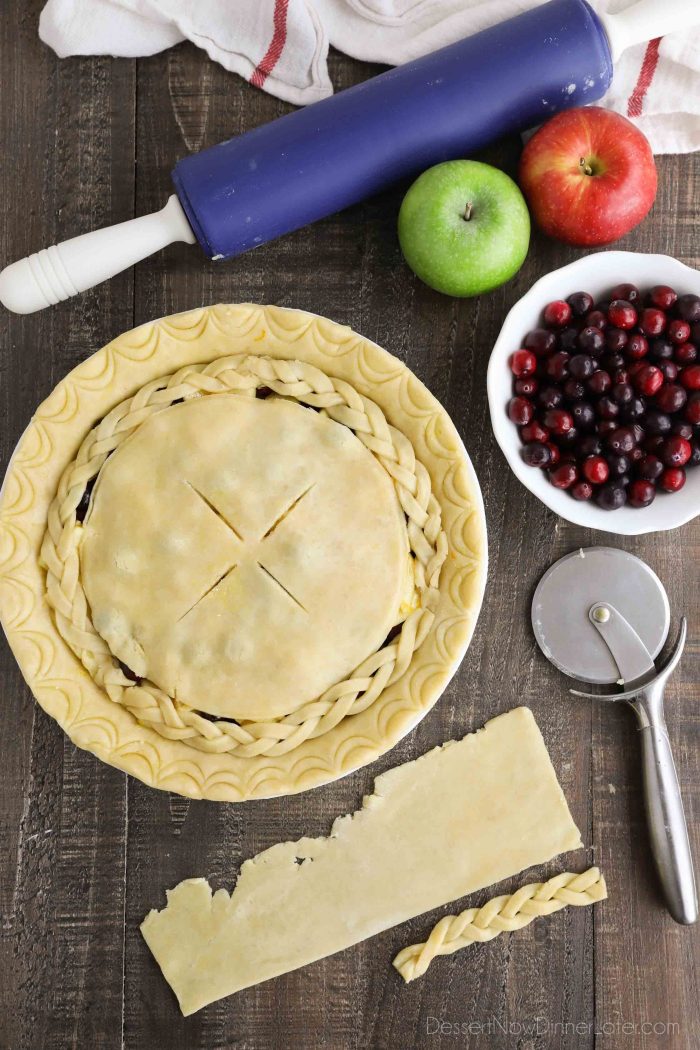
607, 395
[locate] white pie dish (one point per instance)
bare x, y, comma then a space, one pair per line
595, 273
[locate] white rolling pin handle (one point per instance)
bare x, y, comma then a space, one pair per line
647, 20
57, 273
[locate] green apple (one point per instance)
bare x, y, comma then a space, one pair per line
464, 227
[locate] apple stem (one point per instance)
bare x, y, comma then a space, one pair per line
585, 167
468, 212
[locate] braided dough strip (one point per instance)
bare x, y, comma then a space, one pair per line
150, 705
499, 915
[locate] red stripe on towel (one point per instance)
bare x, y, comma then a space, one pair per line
646, 75
279, 37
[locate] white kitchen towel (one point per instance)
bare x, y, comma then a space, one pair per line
282, 46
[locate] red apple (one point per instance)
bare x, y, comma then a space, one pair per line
588, 175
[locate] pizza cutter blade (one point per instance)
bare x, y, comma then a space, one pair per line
602, 616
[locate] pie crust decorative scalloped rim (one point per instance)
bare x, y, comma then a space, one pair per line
63, 687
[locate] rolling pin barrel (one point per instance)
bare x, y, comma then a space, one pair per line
318, 160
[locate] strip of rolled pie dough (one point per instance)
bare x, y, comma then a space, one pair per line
461, 817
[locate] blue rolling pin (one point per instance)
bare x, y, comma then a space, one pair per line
315, 161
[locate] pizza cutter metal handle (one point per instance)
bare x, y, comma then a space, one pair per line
668, 831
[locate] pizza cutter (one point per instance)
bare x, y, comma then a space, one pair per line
602, 616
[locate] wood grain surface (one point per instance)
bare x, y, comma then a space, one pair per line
85, 851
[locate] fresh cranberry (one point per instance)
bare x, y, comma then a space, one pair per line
636, 454
557, 366
688, 308
605, 427
694, 460
611, 362
637, 346
672, 479
622, 392
557, 314
550, 396
684, 430
669, 370
607, 408
574, 389
615, 339
588, 445
634, 409
596, 319
630, 292
648, 380
622, 314
671, 397
582, 366
690, 377
540, 341
520, 410
622, 439
558, 421
676, 451
619, 464
596, 469
686, 354
653, 444
566, 441
650, 467
523, 363
584, 416
536, 454
661, 350
568, 339
611, 496
692, 408
599, 382
582, 490
563, 476
620, 375
678, 331
652, 321
640, 493
526, 387
662, 297
580, 303
533, 431
591, 340
554, 453
657, 422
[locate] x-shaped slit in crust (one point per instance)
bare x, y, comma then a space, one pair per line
215, 510
281, 586
285, 513
208, 591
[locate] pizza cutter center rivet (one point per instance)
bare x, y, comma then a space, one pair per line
600, 613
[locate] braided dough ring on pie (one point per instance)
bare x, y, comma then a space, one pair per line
412, 485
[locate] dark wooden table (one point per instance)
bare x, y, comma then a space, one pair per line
85, 851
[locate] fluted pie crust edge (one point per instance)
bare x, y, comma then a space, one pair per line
53, 672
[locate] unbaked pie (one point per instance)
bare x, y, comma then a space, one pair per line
243, 552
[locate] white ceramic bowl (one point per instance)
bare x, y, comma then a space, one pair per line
596, 274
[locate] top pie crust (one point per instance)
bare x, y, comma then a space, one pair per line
192, 345
243, 554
